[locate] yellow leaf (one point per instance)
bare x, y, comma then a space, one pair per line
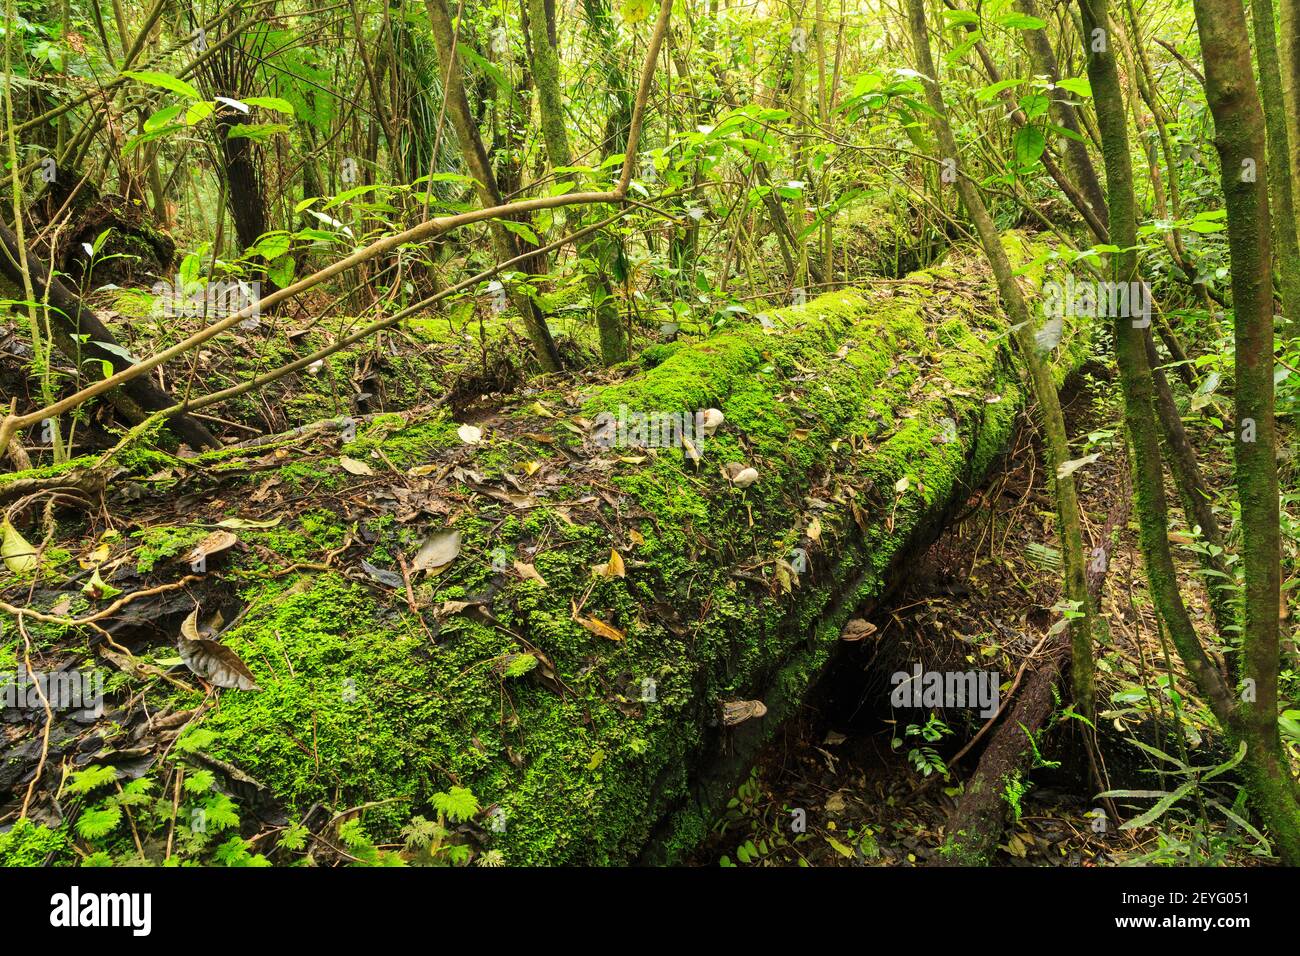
615, 568
529, 573
600, 628
354, 467
815, 529
840, 848
19, 556
240, 523
96, 557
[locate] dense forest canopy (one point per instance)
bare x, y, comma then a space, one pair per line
451, 432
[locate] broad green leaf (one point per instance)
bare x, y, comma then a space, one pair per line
993, 89
1020, 21
281, 272
519, 229
19, 556
165, 81
135, 142
352, 193
271, 246
163, 117
634, 11
1029, 145
198, 112
1076, 85
270, 103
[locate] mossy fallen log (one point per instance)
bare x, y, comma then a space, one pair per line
581, 696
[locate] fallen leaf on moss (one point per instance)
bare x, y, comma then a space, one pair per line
529, 573
98, 589
239, 523
354, 467
449, 608
213, 661
19, 556
438, 550
613, 568
599, 627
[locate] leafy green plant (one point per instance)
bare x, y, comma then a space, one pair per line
923, 757
1182, 813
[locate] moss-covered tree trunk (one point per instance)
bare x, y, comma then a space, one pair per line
1239, 135
1281, 201
1131, 357
1290, 73
587, 707
546, 73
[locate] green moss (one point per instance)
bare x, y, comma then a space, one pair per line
30, 844
162, 544
48, 471
402, 444
309, 537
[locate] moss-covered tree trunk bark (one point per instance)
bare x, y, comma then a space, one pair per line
546, 73
1281, 201
1290, 73
1239, 136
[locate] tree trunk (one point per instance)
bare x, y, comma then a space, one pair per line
476, 160
1056, 444
1281, 201
546, 73
1239, 136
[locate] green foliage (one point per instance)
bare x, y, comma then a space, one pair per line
458, 805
